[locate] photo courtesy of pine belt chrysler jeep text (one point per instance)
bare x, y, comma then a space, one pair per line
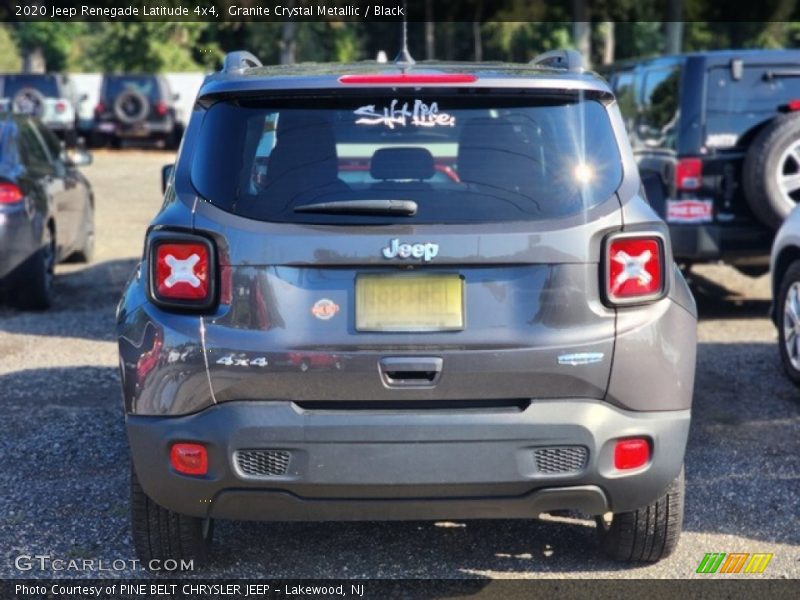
380, 292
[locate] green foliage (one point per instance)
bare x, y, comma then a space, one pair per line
147, 47
52, 38
530, 28
9, 54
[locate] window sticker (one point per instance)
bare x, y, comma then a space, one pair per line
399, 115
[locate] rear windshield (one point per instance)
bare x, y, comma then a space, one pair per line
146, 85
457, 159
733, 106
45, 84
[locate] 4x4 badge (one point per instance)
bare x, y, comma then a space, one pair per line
425, 251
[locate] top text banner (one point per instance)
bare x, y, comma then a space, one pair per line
392, 10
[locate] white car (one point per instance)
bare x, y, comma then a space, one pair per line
47, 96
785, 269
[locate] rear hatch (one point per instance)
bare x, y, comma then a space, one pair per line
408, 246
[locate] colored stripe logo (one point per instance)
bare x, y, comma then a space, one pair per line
736, 562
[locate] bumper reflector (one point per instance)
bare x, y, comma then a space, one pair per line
631, 453
189, 459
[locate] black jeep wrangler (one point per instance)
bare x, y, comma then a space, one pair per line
133, 106
717, 139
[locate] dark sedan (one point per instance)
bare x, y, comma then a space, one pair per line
46, 210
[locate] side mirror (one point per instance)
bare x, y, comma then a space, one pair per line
83, 98
166, 173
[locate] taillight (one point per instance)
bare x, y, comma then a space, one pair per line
408, 78
189, 459
182, 271
631, 454
161, 108
793, 105
634, 269
689, 174
100, 108
61, 106
10, 193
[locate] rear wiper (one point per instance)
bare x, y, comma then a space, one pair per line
362, 207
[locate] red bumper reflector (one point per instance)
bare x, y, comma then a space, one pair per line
631, 454
409, 78
189, 459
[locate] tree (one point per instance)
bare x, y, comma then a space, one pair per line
581, 29
44, 45
9, 55
144, 47
674, 27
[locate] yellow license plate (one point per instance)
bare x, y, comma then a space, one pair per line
409, 302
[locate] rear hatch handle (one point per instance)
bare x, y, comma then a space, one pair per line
410, 371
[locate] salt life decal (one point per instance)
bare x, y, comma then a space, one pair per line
399, 115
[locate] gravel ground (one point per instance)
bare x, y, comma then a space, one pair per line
63, 491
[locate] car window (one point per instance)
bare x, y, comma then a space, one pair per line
459, 159
734, 106
146, 85
33, 151
50, 140
624, 91
47, 85
658, 117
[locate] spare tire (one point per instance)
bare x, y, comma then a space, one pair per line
28, 101
131, 106
771, 171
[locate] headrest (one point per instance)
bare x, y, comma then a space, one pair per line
402, 163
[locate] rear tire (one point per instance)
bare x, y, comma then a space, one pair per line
160, 534
647, 534
788, 317
33, 280
764, 169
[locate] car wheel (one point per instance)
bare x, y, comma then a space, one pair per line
647, 534
160, 534
789, 322
34, 279
771, 171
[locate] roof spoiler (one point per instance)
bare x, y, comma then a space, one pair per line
567, 60
239, 61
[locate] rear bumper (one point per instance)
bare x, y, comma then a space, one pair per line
60, 126
735, 244
407, 464
137, 130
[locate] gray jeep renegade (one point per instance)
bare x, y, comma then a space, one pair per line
406, 292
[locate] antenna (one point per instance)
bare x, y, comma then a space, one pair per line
403, 59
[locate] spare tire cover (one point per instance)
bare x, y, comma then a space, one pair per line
131, 106
28, 101
771, 171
